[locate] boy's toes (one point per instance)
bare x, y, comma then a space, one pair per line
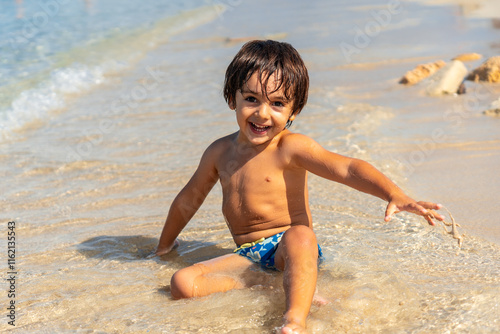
320, 300
292, 328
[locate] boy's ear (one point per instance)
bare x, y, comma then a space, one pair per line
292, 117
231, 104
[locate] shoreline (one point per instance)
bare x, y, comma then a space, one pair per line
89, 205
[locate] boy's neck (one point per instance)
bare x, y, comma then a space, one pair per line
244, 145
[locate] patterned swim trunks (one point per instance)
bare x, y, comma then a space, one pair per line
263, 250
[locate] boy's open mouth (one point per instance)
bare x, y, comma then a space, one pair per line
258, 128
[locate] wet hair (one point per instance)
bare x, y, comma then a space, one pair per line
267, 58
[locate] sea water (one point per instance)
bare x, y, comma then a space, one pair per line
54, 48
109, 106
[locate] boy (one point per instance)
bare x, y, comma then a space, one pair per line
263, 172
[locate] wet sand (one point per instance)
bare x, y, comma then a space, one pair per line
89, 186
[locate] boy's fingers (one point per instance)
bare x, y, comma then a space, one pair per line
429, 220
421, 208
389, 211
430, 205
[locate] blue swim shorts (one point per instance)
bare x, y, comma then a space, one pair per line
263, 250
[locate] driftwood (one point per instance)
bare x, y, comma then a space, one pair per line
420, 72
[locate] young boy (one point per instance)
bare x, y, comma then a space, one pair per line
263, 172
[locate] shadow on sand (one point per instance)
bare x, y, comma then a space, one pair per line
137, 247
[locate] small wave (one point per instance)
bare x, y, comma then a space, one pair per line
53, 94
83, 68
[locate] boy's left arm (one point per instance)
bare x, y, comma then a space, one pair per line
363, 176
359, 175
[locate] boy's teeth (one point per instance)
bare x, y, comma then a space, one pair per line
259, 127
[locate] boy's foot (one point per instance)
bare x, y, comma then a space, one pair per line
292, 328
320, 300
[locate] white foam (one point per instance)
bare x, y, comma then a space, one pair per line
52, 94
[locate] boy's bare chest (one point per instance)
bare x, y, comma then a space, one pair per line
260, 173
254, 194
252, 175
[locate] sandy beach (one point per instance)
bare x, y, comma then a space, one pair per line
103, 123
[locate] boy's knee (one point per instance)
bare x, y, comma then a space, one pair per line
301, 237
182, 283
298, 244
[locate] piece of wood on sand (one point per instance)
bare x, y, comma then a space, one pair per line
421, 72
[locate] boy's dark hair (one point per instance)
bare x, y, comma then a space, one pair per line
269, 58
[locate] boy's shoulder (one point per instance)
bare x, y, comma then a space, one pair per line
224, 142
221, 145
293, 140
293, 136
295, 145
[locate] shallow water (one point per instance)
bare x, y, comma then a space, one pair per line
89, 183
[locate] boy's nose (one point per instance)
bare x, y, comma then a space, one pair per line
263, 111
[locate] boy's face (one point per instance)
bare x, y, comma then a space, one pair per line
261, 117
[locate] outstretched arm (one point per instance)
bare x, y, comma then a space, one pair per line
364, 177
188, 201
357, 174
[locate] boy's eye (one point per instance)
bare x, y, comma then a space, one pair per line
251, 99
278, 104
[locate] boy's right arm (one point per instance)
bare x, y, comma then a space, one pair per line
189, 200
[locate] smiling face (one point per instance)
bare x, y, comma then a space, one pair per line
261, 116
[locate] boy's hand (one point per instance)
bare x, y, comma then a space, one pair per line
166, 250
405, 203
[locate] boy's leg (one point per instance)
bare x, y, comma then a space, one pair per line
216, 275
297, 257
